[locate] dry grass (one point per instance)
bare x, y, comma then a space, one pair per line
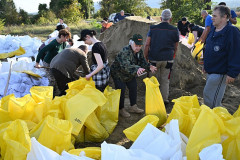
42, 31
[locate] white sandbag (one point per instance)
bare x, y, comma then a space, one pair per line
40, 152
213, 152
116, 152
163, 145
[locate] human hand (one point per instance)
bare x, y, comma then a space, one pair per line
229, 80
153, 68
37, 65
140, 71
88, 77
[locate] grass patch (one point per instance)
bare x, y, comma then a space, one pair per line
238, 23
42, 31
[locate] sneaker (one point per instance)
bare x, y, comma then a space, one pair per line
124, 113
135, 109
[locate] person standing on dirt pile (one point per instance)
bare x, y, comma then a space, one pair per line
160, 48
233, 17
128, 64
66, 63
208, 25
196, 31
221, 57
183, 26
62, 23
100, 69
53, 48
119, 17
105, 24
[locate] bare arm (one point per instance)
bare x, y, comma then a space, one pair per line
205, 34
99, 66
146, 48
233, 20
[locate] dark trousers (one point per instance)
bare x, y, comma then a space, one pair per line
61, 80
132, 87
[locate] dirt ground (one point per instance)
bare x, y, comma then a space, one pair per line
187, 78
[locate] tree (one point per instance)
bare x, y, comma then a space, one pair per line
87, 7
8, 12
129, 6
23, 17
42, 8
185, 8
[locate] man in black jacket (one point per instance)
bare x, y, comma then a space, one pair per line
183, 26
160, 48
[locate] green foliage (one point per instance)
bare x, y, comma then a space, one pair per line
1, 24
23, 17
135, 7
238, 9
95, 24
87, 7
185, 8
71, 14
42, 8
8, 12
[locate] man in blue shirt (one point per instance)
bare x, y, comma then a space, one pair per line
221, 56
119, 17
232, 19
208, 25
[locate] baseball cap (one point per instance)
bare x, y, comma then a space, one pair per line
138, 39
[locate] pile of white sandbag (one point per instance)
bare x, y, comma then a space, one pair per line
20, 83
11, 43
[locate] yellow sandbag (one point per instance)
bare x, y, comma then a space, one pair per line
135, 130
53, 133
231, 149
18, 52
237, 113
31, 73
198, 47
77, 109
91, 152
108, 113
15, 141
222, 113
190, 38
186, 110
81, 136
80, 84
94, 131
154, 101
206, 131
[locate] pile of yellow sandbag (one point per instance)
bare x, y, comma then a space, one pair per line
84, 114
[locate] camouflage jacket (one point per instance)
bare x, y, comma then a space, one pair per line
126, 64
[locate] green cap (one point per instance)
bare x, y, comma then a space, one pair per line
138, 39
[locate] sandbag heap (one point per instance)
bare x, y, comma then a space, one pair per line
83, 114
11, 43
23, 76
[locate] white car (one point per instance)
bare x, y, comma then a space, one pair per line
111, 17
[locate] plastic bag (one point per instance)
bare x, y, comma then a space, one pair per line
237, 113
94, 132
135, 130
206, 131
213, 152
186, 110
197, 53
190, 38
108, 113
80, 84
91, 152
18, 52
154, 101
54, 134
15, 141
80, 106
231, 148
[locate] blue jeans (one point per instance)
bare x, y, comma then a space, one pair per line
214, 90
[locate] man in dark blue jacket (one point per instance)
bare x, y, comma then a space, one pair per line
221, 56
119, 17
160, 47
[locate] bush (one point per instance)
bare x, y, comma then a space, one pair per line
1, 24
238, 14
95, 24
